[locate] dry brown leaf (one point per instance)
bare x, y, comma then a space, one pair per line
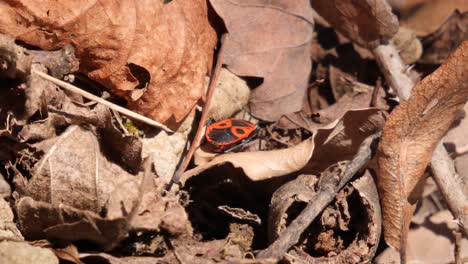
155, 211
74, 177
64, 223
363, 22
262, 165
73, 171
12, 252
337, 141
43, 129
410, 136
155, 55
350, 101
269, 39
441, 43
432, 14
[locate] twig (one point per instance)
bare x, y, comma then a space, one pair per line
457, 249
375, 93
120, 122
199, 135
394, 70
449, 183
97, 99
291, 235
173, 249
396, 74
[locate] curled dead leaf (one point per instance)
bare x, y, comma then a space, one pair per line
337, 141
411, 135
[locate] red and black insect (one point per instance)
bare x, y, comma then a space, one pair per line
229, 133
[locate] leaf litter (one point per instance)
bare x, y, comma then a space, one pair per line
93, 184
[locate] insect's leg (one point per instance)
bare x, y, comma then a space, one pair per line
219, 149
243, 142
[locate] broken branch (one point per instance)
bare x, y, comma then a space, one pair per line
198, 137
325, 196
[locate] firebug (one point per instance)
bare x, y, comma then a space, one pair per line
229, 133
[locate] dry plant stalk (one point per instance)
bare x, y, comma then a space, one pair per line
411, 135
199, 135
94, 98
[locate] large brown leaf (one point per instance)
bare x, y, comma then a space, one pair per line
411, 135
269, 39
362, 21
155, 55
74, 181
73, 171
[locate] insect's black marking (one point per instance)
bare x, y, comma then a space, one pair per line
222, 135
239, 123
240, 131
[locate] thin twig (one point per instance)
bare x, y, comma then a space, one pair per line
120, 122
291, 235
375, 93
199, 135
173, 249
449, 183
458, 246
97, 99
